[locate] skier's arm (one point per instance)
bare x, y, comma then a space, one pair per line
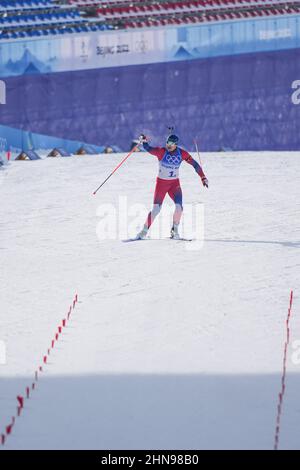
157, 151
189, 159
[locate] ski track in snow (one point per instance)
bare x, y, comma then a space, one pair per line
167, 348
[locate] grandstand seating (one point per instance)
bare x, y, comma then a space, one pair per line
41, 19
22, 5
131, 15
23, 18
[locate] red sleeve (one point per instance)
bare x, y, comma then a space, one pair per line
156, 151
189, 159
186, 156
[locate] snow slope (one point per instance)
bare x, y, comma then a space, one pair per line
168, 347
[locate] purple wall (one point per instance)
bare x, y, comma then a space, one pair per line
238, 102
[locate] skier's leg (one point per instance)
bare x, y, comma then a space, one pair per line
175, 194
161, 189
159, 195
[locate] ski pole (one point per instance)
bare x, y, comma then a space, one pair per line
197, 150
118, 166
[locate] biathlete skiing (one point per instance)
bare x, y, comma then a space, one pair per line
170, 158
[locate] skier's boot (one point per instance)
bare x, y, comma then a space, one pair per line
142, 234
174, 232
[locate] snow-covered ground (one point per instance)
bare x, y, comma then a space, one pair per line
168, 347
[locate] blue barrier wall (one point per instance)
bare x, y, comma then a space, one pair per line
241, 102
17, 140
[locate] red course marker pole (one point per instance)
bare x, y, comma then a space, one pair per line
283, 377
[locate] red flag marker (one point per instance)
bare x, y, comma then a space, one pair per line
56, 336
291, 299
52, 344
19, 409
64, 323
8, 429
59, 329
45, 359
20, 400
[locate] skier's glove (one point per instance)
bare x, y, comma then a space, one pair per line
143, 139
204, 181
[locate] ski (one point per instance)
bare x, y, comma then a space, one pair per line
128, 240
181, 239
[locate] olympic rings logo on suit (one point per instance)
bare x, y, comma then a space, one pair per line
173, 159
